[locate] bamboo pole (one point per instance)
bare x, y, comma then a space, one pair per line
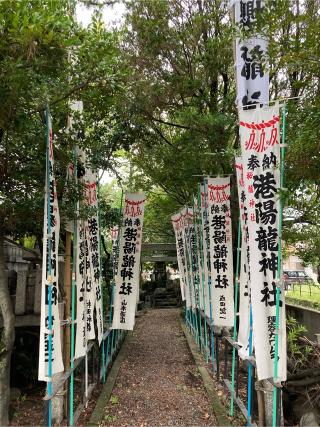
100, 283
67, 284
236, 292
278, 278
250, 370
73, 294
49, 267
73, 317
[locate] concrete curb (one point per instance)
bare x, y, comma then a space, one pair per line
219, 411
99, 410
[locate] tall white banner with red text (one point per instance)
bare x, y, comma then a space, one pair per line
259, 135
177, 224
57, 363
88, 269
128, 274
244, 288
221, 251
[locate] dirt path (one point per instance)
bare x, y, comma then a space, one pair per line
158, 383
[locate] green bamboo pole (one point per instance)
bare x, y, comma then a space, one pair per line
73, 299
100, 252
276, 351
236, 292
201, 244
49, 268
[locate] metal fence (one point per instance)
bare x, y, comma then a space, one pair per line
77, 384
236, 375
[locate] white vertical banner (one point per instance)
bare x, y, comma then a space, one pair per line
93, 251
193, 256
57, 363
187, 216
244, 281
251, 64
177, 226
88, 270
221, 251
81, 336
190, 298
198, 238
115, 248
206, 245
259, 135
128, 275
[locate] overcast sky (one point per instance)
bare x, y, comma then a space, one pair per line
112, 14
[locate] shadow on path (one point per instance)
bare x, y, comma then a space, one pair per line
158, 383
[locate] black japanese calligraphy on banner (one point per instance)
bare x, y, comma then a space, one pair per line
81, 274
177, 224
260, 145
186, 219
221, 258
47, 279
198, 243
88, 274
244, 288
128, 274
93, 244
190, 233
251, 65
115, 249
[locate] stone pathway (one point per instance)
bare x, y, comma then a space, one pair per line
158, 383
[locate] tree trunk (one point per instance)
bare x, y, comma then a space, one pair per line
7, 340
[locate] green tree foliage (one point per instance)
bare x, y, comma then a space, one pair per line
180, 103
180, 63
45, 56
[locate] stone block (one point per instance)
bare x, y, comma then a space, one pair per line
37, 291
20, 306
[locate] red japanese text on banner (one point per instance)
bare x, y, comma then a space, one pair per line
244, 288
57, 363
221, 251
259, 135
177, 226
88, 275
251, 65
128, 275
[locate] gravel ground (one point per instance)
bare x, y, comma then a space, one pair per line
158, 382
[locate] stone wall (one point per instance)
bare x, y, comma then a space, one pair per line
23, 273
